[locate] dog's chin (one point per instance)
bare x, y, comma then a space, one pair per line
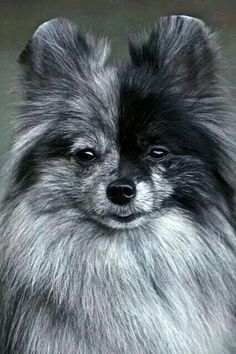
120, 222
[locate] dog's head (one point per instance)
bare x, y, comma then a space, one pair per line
123, 144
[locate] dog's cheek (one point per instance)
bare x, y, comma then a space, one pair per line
93, 188
145, 196
59, 185
162, 186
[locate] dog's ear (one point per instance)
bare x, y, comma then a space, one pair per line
58, 48
179, 47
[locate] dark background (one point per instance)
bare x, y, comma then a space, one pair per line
113, 18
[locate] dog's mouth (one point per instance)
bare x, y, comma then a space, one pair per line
125, 218
122, 220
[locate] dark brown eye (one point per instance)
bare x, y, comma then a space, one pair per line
158, 153
85, 155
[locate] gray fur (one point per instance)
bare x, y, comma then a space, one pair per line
73, 280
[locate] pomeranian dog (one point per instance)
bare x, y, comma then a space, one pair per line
117, 224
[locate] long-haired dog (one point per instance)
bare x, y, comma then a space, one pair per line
117, 225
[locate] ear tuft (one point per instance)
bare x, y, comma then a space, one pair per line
49, 26
179, 46
58, 47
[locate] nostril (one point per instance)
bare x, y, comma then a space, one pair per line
128, 191
112, 191
121, 191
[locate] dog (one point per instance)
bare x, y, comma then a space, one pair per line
118, 219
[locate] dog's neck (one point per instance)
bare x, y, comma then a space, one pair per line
160, 284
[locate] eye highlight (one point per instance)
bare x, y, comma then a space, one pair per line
85, 155
158, 153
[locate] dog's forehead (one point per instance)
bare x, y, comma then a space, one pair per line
119, 94
96, 100
139, 109
106, 92
115, 103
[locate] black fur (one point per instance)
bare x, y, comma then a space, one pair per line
73, 278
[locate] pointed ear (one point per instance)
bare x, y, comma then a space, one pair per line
180, 48
58, 48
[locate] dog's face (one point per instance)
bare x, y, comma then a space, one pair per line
121, 145
117, 232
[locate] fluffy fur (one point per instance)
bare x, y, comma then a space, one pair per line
73, 278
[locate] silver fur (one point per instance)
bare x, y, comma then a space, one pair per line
74, 280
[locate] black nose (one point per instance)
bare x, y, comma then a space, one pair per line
121, 191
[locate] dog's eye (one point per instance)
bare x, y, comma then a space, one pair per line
85, 155
158, 153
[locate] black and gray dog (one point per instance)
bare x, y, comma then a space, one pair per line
117, 225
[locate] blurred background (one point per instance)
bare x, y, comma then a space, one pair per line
113, 18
